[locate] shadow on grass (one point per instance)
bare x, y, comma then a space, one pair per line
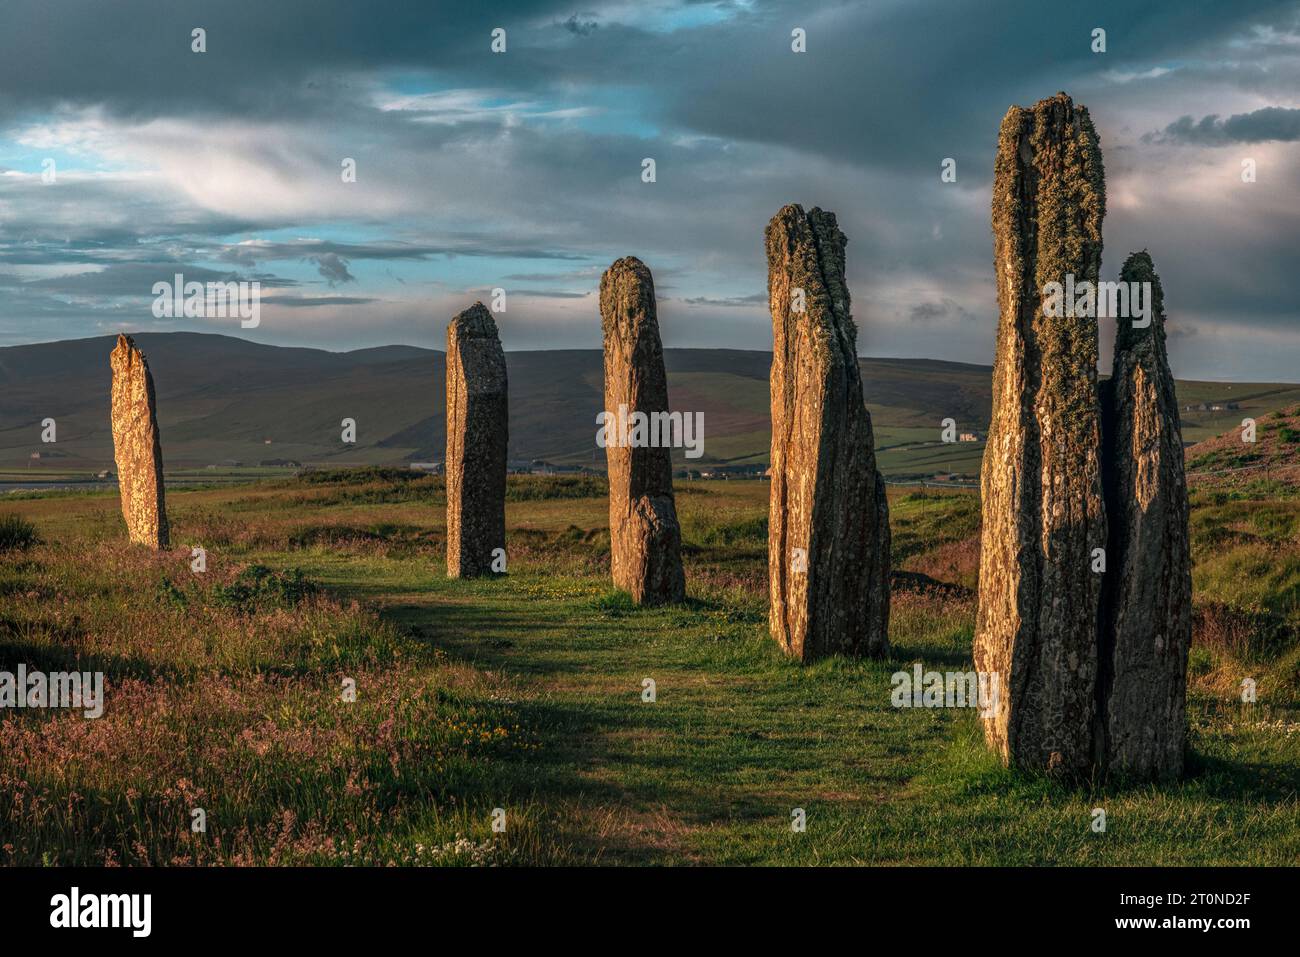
71, 657
969, 766
1244, 781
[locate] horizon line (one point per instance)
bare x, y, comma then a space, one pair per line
595, 349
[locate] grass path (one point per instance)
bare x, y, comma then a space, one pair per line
738, 738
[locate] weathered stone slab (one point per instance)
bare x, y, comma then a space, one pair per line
1043, 513
645, 538
828, 518
1147, 600
477, 435
137, 448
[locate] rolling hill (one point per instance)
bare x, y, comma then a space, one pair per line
1274, 451
222, 399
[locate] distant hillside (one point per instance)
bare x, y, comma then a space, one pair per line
223, 399
1276, 447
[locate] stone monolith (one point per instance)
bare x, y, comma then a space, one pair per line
645, 538
1043, 512
137, 448
1147, 597
477, 434
828, 518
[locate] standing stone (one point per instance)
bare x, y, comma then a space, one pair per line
1043, 513
1147, 600
645, 538
136, 446
828, 518
477, 433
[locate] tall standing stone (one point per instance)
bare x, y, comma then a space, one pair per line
477, 434
1147, 601
828, 518
136, 446
1043, 514
645, 538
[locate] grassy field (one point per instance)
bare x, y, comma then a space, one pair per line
524, 693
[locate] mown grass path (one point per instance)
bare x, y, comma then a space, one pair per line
738, 738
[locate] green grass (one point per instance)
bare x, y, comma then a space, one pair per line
524, 693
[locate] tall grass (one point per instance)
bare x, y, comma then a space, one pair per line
16, 533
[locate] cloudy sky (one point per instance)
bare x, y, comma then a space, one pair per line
522, 170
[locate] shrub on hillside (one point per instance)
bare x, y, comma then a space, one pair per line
17, 534
258, 585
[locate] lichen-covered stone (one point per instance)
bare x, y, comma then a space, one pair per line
477, 434
645, 538
828, 518
1043, 512
137, 448
1147, 600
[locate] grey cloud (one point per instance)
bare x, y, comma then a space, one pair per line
136, 279
257, 251
259, 62
333, 267
750, 300
581, 27
912, 109
260, 66
1271, 123
944, 309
